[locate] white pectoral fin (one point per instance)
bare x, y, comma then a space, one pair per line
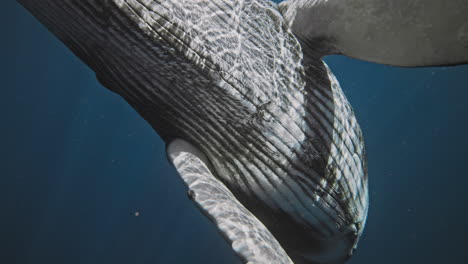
249, 238
406, 33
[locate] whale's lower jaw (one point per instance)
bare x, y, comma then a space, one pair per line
292, 155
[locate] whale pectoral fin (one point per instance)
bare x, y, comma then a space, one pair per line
249, 238
398, 32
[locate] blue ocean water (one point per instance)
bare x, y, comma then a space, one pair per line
85, 180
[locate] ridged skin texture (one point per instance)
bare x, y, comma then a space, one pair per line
230, 78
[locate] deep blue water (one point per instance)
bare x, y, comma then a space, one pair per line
77, 163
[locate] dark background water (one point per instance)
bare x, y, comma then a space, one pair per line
77, 164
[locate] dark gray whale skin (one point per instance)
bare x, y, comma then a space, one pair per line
230, 78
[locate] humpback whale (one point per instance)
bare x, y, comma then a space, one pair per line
256, 124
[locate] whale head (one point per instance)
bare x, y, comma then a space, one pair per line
275, 131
